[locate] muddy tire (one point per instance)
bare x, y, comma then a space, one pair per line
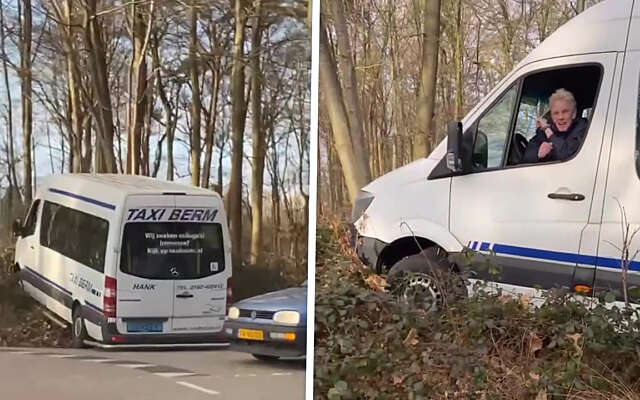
78, 329
427, 280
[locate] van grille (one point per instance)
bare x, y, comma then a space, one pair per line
259, 314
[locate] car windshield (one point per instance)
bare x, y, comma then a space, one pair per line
170, 250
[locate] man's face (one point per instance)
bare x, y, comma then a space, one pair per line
562, 113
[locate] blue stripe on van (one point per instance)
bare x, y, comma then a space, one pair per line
572, 258
47, 281
83, 198
95, 308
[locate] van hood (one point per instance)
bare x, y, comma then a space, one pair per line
415, 171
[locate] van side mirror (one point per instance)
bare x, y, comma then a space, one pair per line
454, 146
16, 228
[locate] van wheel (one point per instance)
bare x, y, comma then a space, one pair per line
78, 330
264, 357
426, 279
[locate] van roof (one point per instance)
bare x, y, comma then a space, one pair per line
120, 183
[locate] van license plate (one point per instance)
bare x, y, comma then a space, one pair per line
250, 334
144, 326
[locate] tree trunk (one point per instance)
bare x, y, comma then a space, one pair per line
140, 31
195, 95
426, 102
73, 82
239, 110
258, 142
355, 170
350, 86
459, 62
275, 197
211, 128
13, 179
580, 6
100, 82
27, 105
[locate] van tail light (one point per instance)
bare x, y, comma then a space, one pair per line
229, 296
110, 297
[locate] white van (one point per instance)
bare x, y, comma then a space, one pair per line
544, 224
128, 260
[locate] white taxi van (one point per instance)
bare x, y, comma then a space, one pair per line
544, 224
127, 260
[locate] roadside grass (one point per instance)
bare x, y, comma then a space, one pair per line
368, 345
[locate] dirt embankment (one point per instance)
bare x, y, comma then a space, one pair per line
369, 345
22, 322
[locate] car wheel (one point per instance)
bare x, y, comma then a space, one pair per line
264, 357
78, 330
426, 279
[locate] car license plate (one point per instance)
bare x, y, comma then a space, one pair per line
144, 326
250, 334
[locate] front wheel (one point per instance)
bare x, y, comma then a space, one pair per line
78, 330
426, 279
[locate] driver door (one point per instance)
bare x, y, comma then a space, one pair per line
507, 213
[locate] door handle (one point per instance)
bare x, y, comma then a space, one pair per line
184, 295
566, 196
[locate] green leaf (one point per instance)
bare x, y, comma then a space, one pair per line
342, 386
334, 394
610, 297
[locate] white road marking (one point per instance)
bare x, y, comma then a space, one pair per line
136, 365
175, 374
98, 360
62, 355
196, 387
236, 376
281, 373
22, 352
253, 375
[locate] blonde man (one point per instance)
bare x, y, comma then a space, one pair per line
560, 139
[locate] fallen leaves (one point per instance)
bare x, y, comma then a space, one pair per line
535, 343
412, 338
575, 338
377, 283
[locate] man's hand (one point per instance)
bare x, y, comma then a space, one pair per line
541, 123
545, 149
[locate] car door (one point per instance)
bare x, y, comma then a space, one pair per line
528, 219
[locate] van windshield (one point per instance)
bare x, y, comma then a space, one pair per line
170, 250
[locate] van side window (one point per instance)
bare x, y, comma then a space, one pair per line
30, 223
493, 132
74, 234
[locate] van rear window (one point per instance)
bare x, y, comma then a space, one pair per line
170, 250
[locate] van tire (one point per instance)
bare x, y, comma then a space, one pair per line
78, 329
427, 279
264, 357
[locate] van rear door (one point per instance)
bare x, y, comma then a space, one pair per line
201, 269
145, 289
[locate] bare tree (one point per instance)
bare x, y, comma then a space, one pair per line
239, 103
26, 97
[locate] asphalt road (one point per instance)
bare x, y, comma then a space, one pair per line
70, 374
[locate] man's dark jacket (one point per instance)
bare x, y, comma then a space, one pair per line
565, 144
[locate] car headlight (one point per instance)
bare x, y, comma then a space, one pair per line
234, 313
287, 317
362, 202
